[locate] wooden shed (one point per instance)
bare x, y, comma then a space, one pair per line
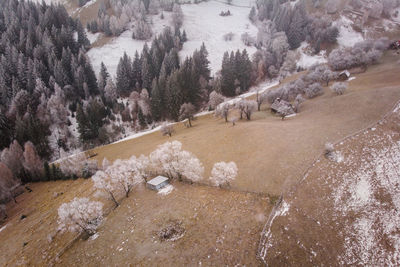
158, 183
280, 104
344, 75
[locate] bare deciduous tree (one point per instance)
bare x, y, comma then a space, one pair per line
187, 111
223, 111
261, 98
167, 129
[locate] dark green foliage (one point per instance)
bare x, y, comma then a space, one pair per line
90, 120
235, 73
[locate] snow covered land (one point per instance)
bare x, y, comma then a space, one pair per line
111, 52
203, 23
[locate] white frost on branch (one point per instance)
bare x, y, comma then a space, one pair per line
223, 173
80, 215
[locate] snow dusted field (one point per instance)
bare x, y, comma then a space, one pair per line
347, 35
203, 23
350, 207
111, 52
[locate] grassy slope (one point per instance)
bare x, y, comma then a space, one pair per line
333, 217
271, 154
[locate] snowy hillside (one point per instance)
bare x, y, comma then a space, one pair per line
203, 23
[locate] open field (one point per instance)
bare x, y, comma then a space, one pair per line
346, 211
221, 226
230, 234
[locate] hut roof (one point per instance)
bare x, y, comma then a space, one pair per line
157, 180
282, 105
345, 72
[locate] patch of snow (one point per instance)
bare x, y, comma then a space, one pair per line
281, 211
261, 88
92, 37
94, 237
348, 37
291, 115
307, 60
166, 190
203, 23
139, 134
4, 227
351, 79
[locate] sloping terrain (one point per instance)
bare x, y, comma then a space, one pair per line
343, 212
271, 155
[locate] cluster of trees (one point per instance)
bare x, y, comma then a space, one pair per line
295, 22
361, 54
17, 164
83, 215
136, 12
308, 85
236, 73
43, 68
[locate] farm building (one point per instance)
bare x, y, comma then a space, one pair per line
158, 183
344, 75
280, 104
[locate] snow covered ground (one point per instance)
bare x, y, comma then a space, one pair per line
203, 23
306, 60
347, 35
111, 52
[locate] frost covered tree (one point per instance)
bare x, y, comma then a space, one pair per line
7, 184
78, 165
215, 100
170, 160
223, 173
142, 31
314, 90
177, 16
32, 162
127, 173
103, 181
13, 157
339, 88
331, 6
297, 102
80, 215
223, 111
167, 129
260, 99
246, 107
187, 111
110, 91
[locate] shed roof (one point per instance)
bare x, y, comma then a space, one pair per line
345, 72
157, 180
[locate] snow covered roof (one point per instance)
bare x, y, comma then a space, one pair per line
280, 104
345, 72
158, 180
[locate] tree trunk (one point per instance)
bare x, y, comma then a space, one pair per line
190, 123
